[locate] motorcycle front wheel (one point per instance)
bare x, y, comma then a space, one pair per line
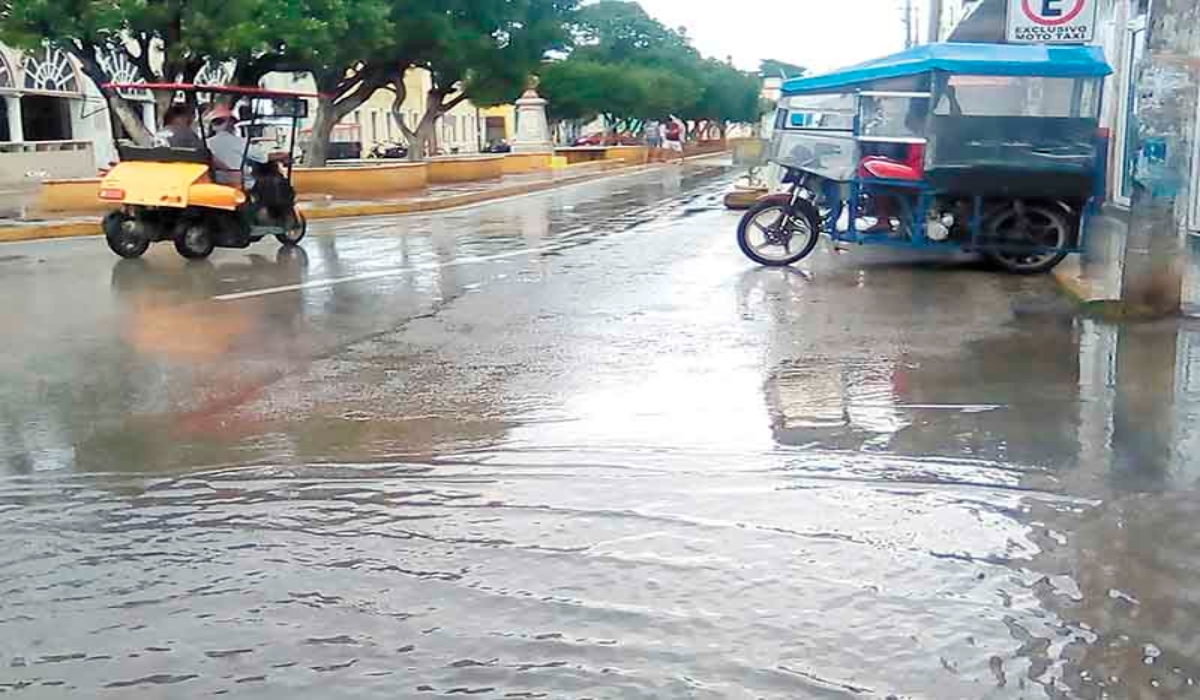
777, 233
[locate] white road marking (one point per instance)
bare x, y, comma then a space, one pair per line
390, 272
562, 243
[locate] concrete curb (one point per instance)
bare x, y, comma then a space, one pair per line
1099, 307
458, 200
91, 227
1070, 285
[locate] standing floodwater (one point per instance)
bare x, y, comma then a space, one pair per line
575, 446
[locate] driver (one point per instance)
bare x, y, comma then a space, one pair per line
228, 149
177, 129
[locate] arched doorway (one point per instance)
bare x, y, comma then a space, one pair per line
50, 88
122, 70
7, 93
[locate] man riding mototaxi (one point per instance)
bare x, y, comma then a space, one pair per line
177, 131
251, 168
229, 150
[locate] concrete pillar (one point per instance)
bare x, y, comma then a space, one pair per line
16, 131
533, 130
1167, 100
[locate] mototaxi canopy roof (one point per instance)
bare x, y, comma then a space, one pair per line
966, 59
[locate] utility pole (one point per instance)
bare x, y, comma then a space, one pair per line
1152, 284
908, 24
935, 21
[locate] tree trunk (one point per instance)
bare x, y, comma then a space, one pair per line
163, 99
332, 110
118, 105
412, 138
323, 123
129, 118
422, 142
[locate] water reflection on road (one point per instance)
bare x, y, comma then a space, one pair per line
574, 446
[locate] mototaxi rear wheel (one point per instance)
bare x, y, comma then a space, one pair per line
194, 241
124, 236
1029, 238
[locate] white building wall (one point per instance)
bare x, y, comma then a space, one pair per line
459, 131
90, 146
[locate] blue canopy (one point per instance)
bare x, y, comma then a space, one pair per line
967, 59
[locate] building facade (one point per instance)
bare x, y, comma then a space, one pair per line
53, 121
461, 130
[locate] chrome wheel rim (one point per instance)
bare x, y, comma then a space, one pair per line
1037, 227
776, 236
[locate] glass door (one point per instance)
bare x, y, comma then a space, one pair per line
1127, 125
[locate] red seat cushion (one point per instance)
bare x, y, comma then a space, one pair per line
912, 167
889, 169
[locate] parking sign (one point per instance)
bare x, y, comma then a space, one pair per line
1051, 21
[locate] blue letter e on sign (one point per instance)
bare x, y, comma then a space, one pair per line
1050, 8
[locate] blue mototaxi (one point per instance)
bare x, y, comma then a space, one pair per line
989, 148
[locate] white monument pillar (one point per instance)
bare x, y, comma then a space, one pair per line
16, 132
533, 131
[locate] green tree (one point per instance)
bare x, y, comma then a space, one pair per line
185, 34
615, 31
481, 50
580, 90
352, 48
626, 66
728, 96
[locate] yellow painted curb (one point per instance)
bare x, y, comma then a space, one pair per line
1070, 285
1111, 310
36, 232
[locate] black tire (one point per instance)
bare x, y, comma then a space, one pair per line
1035, 223
297, 229
123, 236
784, 222
194, 241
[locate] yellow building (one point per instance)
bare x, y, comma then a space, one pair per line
500, 123
458, 131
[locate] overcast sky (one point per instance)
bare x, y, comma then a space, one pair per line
819, 34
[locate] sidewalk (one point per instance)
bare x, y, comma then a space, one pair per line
1093, 279
431, 198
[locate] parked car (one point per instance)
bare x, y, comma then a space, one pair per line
393, 151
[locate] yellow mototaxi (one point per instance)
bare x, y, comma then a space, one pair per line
164, 193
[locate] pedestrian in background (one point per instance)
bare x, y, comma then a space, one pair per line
653, 139
672, 136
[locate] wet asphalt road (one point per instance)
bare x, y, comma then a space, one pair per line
575, 446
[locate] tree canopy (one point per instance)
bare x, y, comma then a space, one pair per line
481, 50
619, 61
185, 35
629, 68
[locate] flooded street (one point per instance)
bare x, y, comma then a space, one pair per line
574, 445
